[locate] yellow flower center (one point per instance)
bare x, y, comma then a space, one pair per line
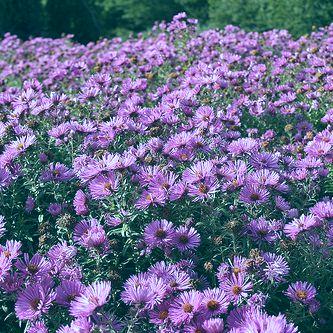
188, 308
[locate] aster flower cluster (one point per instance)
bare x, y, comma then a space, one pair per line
174, 298
177, 181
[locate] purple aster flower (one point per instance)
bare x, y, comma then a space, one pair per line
177, 281
22, 143
5, 178
281, 203
186, 238
103, 185
239, 316
253, 194
258, 300
303, 292
162, 269
93, 297
328, 118
70, 272
262, 230
303, 223
203, 190
86, 168
43, 157
314, 306
55, 209
147, 173
243, 145
292, 213
3, 129
214, 301
263, 177
12, 282
223, 272
137, 280
199, 172
194, 326
11, 249
185, 307
148, 198
203, 116
57, 172
213, 325
33, 301
80, 203
160, 314
237, 287
318, 148
323, 209
112, 221
61, 254
276, 267
140, 296
177, 191
162, 182
159, 233
6, 160
81, 324
183, 154
234, 173
37, 267
29, 204
144, 292
90, 234
259, 322
68, 291
239, 265
158, 287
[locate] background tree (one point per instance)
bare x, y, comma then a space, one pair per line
22, 17
89, 20
297, 16
78, 17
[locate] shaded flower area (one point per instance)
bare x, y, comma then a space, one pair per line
177, 181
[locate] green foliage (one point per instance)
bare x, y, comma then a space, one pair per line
297, 16
328, 184
195, 8
138, 15
239, 12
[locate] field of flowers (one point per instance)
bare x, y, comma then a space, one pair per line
179, 181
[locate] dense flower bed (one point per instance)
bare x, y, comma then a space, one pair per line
174, 182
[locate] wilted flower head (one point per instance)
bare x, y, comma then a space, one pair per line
2, 226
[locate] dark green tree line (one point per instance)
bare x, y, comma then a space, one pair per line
90, 19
